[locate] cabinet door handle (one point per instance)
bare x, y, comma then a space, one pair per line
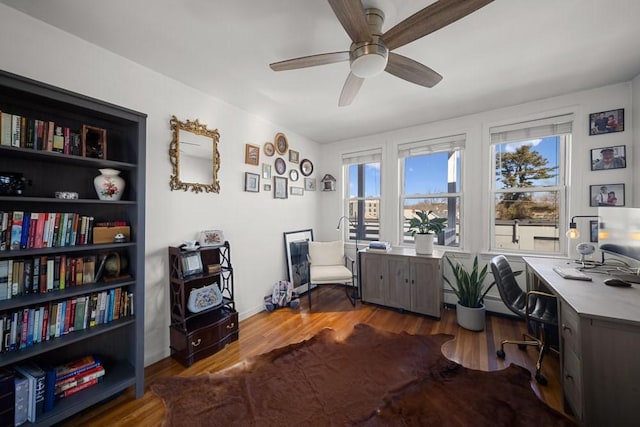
569, 377
231, 325
195, 344
566, 328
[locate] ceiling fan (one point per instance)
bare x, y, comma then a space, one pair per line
370, 51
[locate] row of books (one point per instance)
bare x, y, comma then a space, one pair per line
25, 327
36, 386
48, 273
34, 230
27, 132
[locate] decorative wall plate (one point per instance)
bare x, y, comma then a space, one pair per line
269, 149
306, 167
280, 142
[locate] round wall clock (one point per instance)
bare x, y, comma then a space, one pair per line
281, 143
306, 167
293, 175
269, 149
280, 166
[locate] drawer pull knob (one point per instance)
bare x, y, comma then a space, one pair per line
195, 344
569, 377
231, 325
566, 328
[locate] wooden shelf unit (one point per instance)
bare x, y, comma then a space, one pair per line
198, 335
119, 343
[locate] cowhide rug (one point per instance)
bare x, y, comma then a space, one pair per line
372, 378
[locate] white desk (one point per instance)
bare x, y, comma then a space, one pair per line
599, 344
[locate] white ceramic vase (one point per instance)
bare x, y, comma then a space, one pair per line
424, 244
469, 318
108, 185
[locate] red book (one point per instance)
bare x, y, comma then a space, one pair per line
50, 129
43, 274
72, 315
78, 388
25, 327
75, 367
37, 241
67, 317
32, 229
45, 324
82, 377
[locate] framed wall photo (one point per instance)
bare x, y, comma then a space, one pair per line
593, 231
296, 247
251, 154
606, 122
607, 195
294, 156
251, 182
297, 191
266, 171
280, 165
267, 187
280, 187
608, 158
280, 143
269, 149
191, 263
310, 184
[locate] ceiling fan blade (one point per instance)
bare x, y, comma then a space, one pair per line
350, 89
351, 15
412, 71
310, 61
430, 19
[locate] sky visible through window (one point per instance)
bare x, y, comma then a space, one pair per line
428, 174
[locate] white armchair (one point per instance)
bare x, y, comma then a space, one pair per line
328, 264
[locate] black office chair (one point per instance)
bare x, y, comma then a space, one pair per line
538, 309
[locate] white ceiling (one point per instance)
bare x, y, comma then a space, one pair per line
509, 52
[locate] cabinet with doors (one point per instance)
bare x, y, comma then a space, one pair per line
203, 314
401, 279
45, 236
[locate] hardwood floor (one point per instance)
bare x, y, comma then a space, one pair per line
266, 331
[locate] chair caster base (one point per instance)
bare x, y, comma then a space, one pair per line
522, 346
501, 354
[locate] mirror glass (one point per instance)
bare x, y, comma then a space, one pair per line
194, 155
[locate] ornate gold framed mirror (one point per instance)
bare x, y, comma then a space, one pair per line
194, 156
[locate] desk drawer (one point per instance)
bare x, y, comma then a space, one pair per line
572, 382
570, 329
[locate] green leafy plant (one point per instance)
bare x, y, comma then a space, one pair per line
470, 288
423, 224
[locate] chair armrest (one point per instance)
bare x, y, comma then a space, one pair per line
543, 295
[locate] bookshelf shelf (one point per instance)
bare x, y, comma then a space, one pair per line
118, 343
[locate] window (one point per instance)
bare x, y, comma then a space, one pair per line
529, 193
430, 172
362, 173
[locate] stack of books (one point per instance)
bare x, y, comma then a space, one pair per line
76, 376
378, 246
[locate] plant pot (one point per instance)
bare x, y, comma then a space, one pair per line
470, 318
424, 244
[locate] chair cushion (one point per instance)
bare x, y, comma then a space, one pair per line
326, 253
322, 274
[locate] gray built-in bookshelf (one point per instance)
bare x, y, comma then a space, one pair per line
117, 339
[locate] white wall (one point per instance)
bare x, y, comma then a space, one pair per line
252, 222
477, 164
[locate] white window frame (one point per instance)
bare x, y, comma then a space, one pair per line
360, 158
560, 126
430, 146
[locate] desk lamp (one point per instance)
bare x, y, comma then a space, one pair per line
351, 224
582, 248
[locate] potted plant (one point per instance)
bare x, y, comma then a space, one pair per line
470, 289
423, 226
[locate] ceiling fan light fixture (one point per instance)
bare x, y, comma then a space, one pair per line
369, 59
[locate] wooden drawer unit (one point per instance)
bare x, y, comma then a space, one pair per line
572, 381
203, 340
570, 329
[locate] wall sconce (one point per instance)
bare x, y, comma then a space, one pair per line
573, 232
